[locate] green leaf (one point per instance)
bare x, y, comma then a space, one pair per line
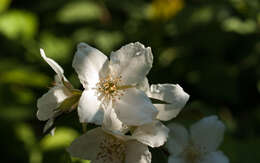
4, 4
18, 24
56, 47
24, 76
234, 24
15, 113
79, 11
62, 138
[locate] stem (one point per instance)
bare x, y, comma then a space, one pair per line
84, 127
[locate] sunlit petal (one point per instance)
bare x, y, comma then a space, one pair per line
89, 63
132, 61
89, 108
54, 65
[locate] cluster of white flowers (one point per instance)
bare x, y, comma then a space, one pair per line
127, 110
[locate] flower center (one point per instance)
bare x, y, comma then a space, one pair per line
112, 149
110, 87
192, 154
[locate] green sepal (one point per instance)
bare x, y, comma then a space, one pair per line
157, 101
76, 92
69, 103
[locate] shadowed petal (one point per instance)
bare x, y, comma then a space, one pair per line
137, 153
208, 133
153, 134
173, 159
169, 93
50, 101
178, 139
87, 146
214, 157
143, 85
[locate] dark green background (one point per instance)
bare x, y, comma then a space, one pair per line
211, 48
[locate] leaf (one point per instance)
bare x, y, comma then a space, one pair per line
62, 138
66, 157
4, 4
157, 101
24, 76
57, 48
79, 12
16, 24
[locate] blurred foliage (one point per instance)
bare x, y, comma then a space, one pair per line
211, 48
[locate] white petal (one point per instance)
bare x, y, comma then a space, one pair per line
137, 153
48, 124
59, 81
132, 61
54, 65
111, 122
173, 159
207, 133
87, 146
89, 108
50, 101
52, 132
153, 134
135, 108
178, 139
143, 85
172, 94
89, 63
215, 157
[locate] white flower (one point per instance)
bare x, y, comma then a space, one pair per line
50, 101
102, 147
108, 145
198, 147
114, 80
173, 94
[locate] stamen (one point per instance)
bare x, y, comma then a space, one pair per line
111, 150
192, 153
110, 88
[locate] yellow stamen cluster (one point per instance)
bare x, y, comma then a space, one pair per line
111, 150
109, 87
